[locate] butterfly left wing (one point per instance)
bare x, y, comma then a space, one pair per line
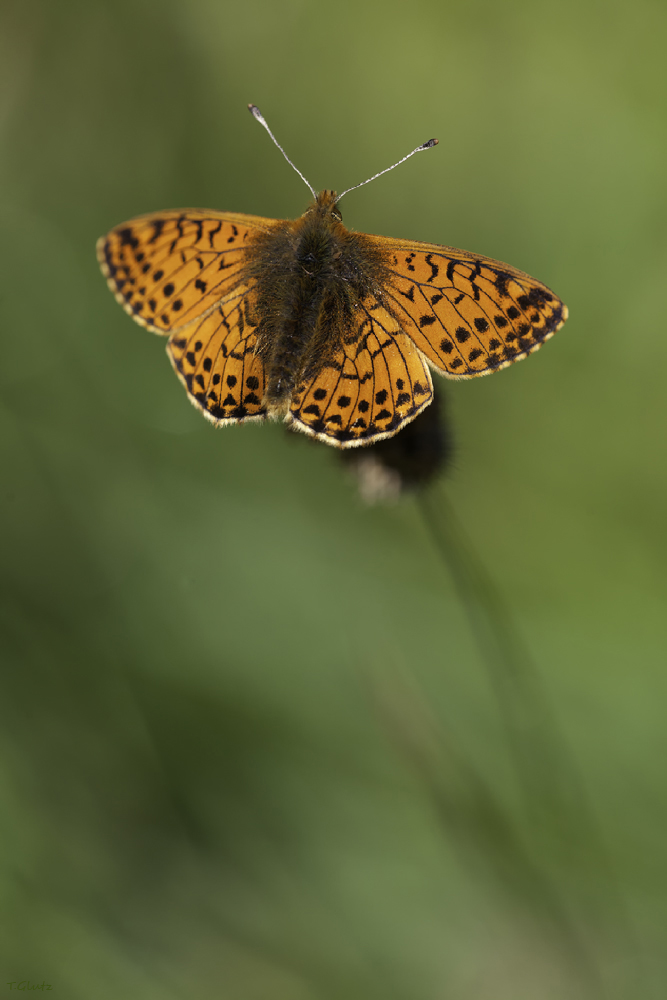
170, 268
216, 362
469, 315
370, 388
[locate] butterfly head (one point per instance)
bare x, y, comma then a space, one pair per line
325, 204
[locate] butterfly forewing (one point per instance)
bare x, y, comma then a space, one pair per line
375, 385
170, 268
216, 362
469, 315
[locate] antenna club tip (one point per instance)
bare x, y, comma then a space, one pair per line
254, 111
430, 143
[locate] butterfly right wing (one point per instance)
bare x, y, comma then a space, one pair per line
468, 314
215, 360
170, 268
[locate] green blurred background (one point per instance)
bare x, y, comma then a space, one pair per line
252, 747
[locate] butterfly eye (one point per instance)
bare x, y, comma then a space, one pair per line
335, 211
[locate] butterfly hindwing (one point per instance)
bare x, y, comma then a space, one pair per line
170, 268
216, 362
469, 315
372, 387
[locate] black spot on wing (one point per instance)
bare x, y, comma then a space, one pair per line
501, 281
212, 233
435, 270
127, 237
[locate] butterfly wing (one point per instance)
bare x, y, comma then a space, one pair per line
170, 268
215, 360
370, 388
469, 315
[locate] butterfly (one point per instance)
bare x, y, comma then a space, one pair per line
306, 321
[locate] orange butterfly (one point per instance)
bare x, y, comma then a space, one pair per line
330, 330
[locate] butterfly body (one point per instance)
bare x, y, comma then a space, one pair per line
311, 278
331, 330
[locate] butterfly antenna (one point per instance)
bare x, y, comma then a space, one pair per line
425, 145
256, 113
